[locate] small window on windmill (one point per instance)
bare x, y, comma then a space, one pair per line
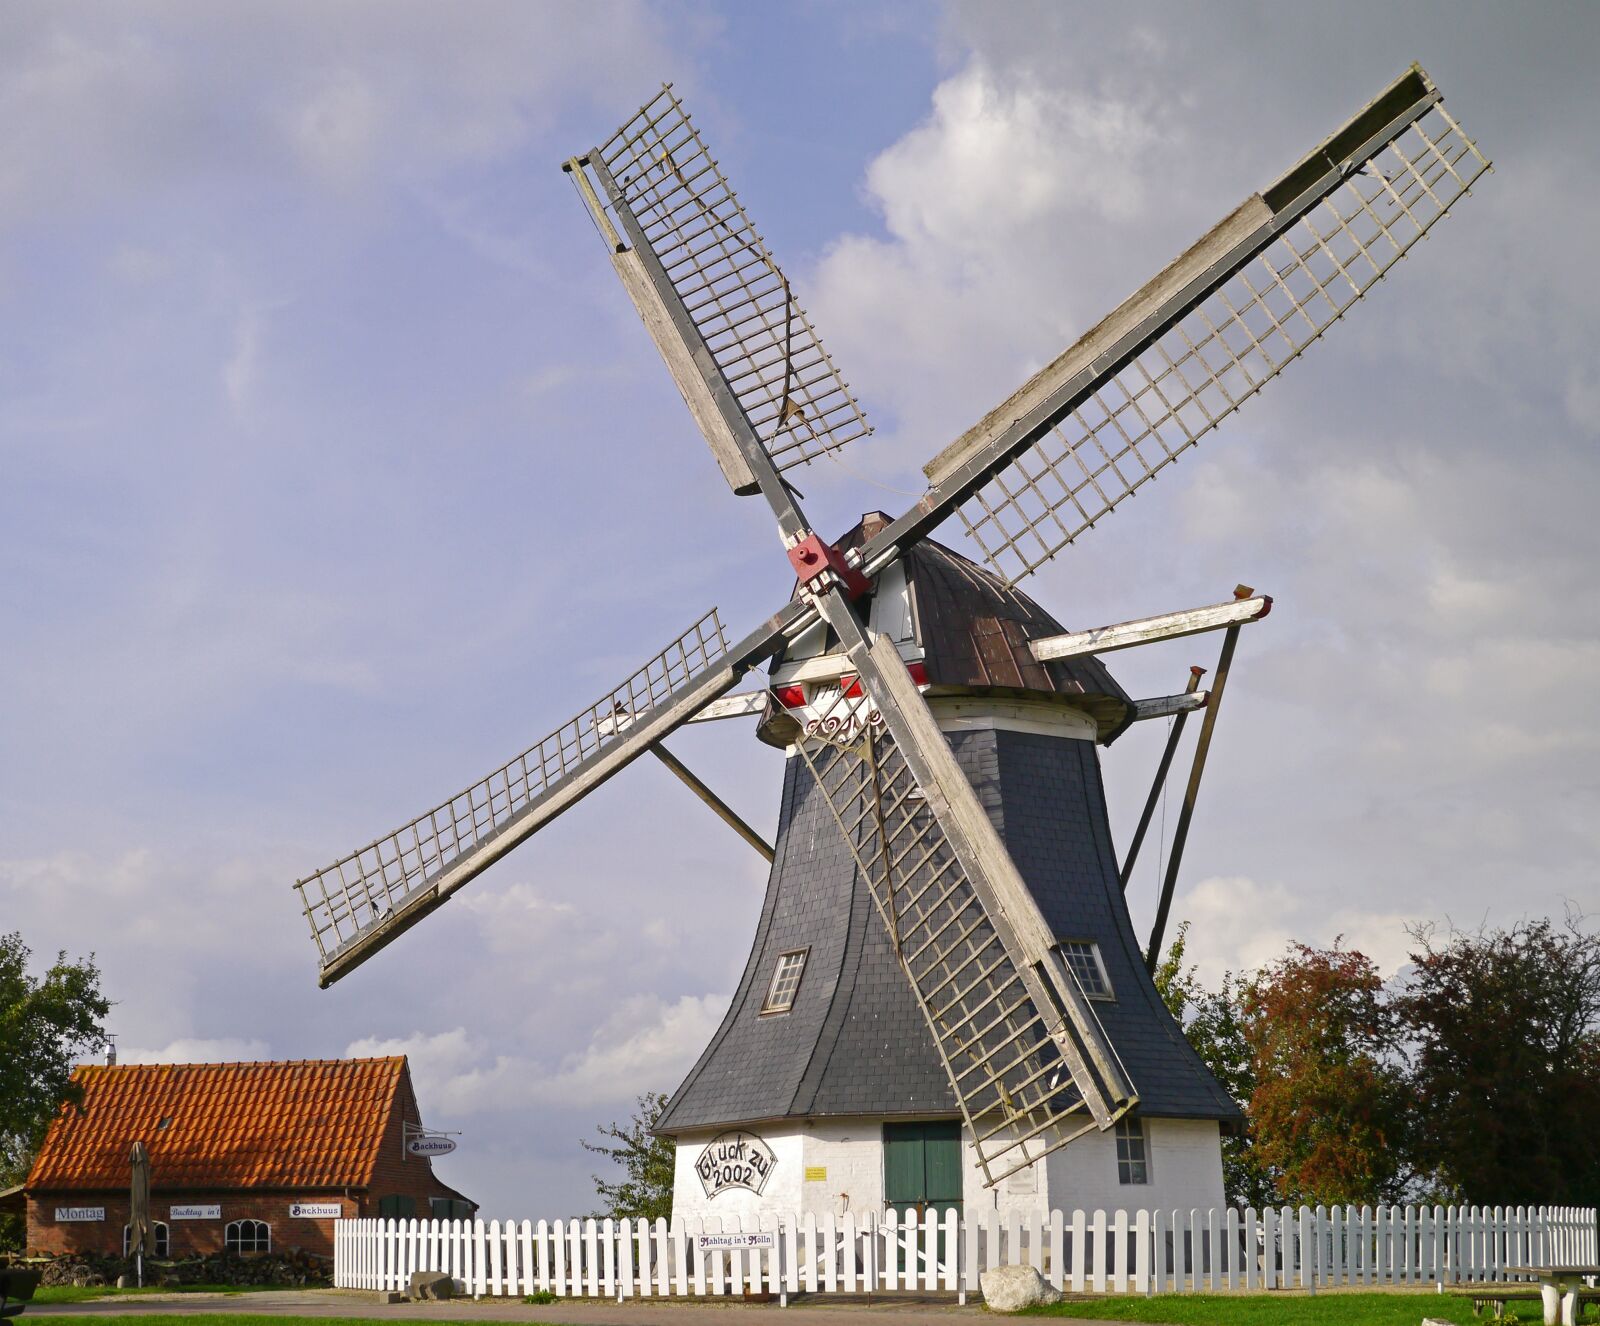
1083, 956
785, 981
1133, 1152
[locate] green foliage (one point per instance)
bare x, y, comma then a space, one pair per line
1214, 1024
1505, 1062
646, 1160
46, 1025
539, 1297
1475, 1078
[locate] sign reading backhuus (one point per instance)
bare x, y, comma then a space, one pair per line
66, 1215
734, 1160
194, 1213
316, 1210
426, 1144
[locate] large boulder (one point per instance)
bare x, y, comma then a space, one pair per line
1012, 1288
430, 1284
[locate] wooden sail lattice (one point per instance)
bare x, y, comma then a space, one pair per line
1134, 422
355, 896
1021, 1091
765, 347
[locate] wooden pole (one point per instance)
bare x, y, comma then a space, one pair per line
1160, 781
1191, 793
723, 810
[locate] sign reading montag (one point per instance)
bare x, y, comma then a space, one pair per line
735, 1159
67, 1215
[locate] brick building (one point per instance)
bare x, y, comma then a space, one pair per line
250, 1157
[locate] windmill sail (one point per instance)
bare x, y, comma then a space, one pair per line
1209, 332
1029, 1063
366, 899
712, 276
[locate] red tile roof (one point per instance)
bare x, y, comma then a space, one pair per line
309, 1124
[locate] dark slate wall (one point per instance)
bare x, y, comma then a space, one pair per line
1053, 817
855, 1041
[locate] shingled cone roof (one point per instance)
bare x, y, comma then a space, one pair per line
303, 1124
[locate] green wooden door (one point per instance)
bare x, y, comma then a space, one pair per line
922, 1170
922, 1165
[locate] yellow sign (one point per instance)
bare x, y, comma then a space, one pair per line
816, 1173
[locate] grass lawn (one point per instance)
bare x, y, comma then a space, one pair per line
1325, 1309
83, 1293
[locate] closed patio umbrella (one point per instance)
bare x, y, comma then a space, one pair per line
139, 1207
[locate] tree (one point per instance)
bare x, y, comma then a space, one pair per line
1505, 1036
646, 1160
1213, 1023
45, 1026
1328, 1108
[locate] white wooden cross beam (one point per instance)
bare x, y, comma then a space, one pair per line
1246, 607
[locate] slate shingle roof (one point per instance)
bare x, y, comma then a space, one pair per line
855, 1041
300, 1124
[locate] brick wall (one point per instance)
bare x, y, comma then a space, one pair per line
397, 1174
187, 1237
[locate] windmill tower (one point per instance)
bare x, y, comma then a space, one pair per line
944, 958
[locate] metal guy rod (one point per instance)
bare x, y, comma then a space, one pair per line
1160, 781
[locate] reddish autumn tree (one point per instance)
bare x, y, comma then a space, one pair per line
1327, 1108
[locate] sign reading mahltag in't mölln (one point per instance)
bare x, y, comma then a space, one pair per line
316, 1210
735, 1159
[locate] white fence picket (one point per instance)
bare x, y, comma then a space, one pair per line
1149, 1251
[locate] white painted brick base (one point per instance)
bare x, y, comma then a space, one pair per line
1185, 1172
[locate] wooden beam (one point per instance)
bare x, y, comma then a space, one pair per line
719, 807
1168, 626
747, 704
1168, 706
527, 821
1191, 794
679, 358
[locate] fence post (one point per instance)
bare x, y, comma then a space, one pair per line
1098, 1268
968, 1272
838, 1237
1141, 1253
1056, 1224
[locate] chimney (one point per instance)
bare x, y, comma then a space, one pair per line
111, 1051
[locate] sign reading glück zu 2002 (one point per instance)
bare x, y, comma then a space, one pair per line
734, 1160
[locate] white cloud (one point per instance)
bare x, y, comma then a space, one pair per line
982, 204
336, 127
227, 1049
239, 373
1240, 924
646, 1044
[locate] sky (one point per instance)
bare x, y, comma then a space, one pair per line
335, 468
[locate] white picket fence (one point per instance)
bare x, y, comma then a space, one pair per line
1123, 1252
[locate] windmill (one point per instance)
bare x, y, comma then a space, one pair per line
1005, 997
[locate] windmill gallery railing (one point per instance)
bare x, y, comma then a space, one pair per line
1120, 1252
